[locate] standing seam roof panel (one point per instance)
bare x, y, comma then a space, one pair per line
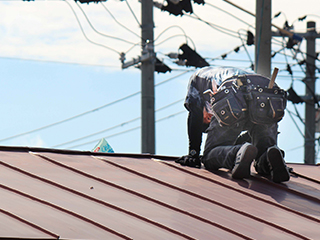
142, 199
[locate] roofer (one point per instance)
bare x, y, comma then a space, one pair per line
202, 85
243, 101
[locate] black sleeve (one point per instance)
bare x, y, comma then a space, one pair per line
195, 129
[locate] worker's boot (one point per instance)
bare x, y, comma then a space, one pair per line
244, 158
278, 169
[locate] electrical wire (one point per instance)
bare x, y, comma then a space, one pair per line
304, 17
177, 35
184, 33
169, 105
96, 133
110, 136
316, 101
302, 52
116, 126
276, 52
295, 148
126, 131
136, 44
169, 79
298, 114
71, 118
102, 34
297, 60
58, 62
230, 14
292, 79
133, 13
307, 129
245, 48
290, 114
214, 26
242, 9
127, 3
223, 56
118, 21
278, 14
98, 44
286, 58
242, 34
87, 112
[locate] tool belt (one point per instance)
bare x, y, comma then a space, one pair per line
265, 105
228, 106
238, 100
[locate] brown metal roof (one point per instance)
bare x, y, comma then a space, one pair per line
50, 194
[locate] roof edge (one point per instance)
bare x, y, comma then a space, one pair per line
66, 151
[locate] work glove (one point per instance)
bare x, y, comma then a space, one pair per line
191, 160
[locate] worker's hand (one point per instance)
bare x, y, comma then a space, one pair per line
206, 116
191, 161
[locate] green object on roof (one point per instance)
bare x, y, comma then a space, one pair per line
103, 146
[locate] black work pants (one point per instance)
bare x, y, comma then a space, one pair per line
220, 148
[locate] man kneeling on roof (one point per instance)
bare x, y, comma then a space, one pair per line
240, 112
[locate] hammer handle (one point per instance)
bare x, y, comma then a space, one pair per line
273, 77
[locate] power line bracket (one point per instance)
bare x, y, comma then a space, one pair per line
145, 57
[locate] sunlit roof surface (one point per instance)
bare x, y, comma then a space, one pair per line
50, 194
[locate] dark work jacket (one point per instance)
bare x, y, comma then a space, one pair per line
207, 78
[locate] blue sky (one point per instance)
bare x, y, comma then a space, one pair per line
50, 72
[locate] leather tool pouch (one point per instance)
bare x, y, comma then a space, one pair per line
266, 106
228, 106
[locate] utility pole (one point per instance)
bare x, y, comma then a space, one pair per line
310, 113
147, 79
263, 66
263, 38
310, 92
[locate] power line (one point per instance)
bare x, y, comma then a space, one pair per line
184, 33
102, 34
87, 112
245, 48
71, 118
98, 44
110, 136
169, 105
58, 62
96, 133
136, 44
116, 126
177, 35
118, 21
290, 114
295, 148
169, 79
214, 26
126, 131
133, 13
242, 9
230, 14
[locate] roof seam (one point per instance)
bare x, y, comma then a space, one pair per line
315, 199
243, 192
64, 210
206, 199
29, 223
132, 192
94, 199
306, 177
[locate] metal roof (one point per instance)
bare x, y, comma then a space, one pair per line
50, 194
